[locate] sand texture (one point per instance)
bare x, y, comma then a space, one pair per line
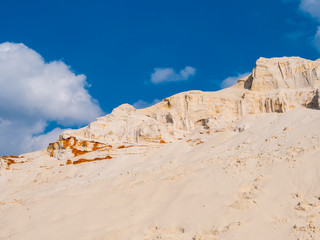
242, 163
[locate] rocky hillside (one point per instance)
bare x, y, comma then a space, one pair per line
241, 163
275, 85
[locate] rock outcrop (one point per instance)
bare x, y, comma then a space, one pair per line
285, 73
275, 85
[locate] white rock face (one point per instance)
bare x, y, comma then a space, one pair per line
285, 73
275, 85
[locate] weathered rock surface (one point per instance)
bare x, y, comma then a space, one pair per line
285, 73
275, 85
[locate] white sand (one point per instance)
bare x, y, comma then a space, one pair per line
262, 183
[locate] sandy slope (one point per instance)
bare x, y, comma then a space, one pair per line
262, 183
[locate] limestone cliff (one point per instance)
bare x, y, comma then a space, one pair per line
275, 85
285, 73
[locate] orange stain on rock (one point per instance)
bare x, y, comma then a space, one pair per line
77, 147
82, 160
9, 160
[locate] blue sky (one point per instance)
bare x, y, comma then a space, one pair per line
120, 46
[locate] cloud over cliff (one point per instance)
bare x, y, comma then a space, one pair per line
33, 93
161, 75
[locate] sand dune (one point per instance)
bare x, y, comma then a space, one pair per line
256, 177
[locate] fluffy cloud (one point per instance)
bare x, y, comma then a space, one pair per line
229, 81
33, 93
169, 75
19, 136
143, 104
29, 86
312, 7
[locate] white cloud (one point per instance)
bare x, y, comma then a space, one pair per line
317, 39
169, 75
143, 104
18, 136
29, 86
229, 81
32, 93
312, 7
